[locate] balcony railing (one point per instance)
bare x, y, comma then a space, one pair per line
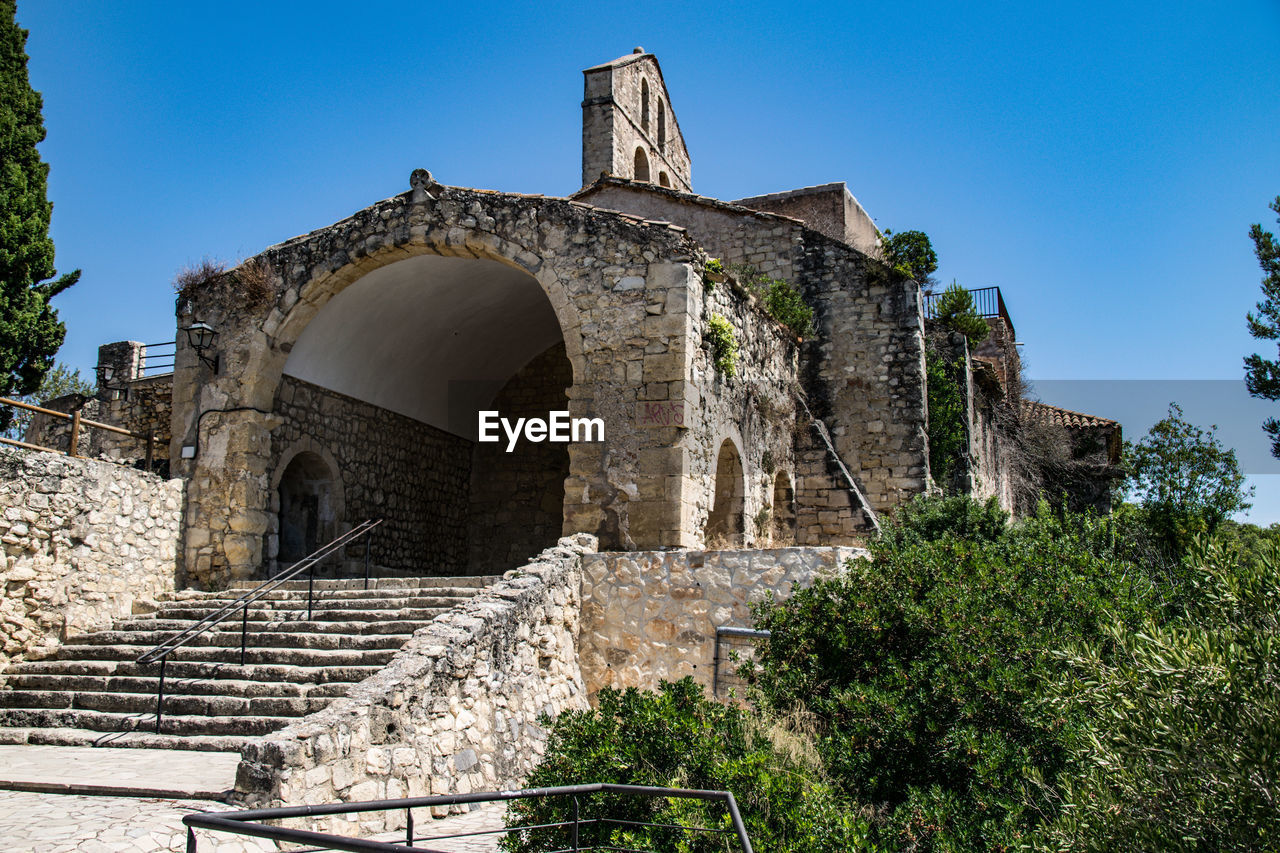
987, 301
156, 359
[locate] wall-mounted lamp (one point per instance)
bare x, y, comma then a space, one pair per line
106, 373
201, 336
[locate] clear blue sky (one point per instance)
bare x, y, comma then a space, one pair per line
1100, 162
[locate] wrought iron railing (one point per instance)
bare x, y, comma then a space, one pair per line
580, 831
307, 564
157, 359
987, 301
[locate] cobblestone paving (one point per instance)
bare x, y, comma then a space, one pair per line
65, 823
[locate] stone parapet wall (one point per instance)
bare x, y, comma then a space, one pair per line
142, 406
455, 711
85, 543
652, 615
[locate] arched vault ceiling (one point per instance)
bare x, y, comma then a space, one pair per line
430, 337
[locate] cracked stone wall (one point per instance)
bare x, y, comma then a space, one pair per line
85, 543
652, 615
455, 711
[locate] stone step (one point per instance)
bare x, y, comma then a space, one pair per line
424, 615
173, 626
106, 721
418, 602
455, 592
145, 703
254, 639
468, 581
178, 686
278, 672
228, 654
61, 736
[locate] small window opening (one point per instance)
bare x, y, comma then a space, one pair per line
642, 165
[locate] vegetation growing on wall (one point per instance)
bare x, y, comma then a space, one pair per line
948, 431
954, 310
724, 344
249, 279
911, 254
780, 298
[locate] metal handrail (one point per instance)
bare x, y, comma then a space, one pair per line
254, 822
171, 644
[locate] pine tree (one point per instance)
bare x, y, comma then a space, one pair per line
30, 332
1262, 376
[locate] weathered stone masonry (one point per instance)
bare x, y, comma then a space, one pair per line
85, 543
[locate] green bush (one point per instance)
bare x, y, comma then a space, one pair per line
780, 298
1181, 744
678, 738
724, 345
927, 664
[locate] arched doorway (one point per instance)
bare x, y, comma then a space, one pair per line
307, 514
725, 525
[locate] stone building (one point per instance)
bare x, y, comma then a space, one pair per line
349, 367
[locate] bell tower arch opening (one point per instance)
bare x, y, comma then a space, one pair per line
641, 165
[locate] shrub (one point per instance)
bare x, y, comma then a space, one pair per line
780, 298
927, 664
678, 738
1180, 746
948, 421
911, 254
954, 309
724, 345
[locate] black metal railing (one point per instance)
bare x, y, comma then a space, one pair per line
987, 301
254, 823
307, 564
156, 359
733, 640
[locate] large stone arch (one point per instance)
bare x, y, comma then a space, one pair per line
619, 290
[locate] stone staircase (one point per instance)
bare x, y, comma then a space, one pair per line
92, 692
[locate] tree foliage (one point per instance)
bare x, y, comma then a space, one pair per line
954, 309
30, 333
948, 430
58, 382
675, 737
1187, 482
925, 665
1180, 749
911, 254
1262, 376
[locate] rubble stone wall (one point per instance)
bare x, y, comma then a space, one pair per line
411, 474
652, 615
85, 543
455, 711
517, 498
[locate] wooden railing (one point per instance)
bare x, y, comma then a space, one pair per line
77, 423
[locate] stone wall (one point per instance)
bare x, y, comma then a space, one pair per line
735, 235
455, 711
652, 615
829, 209
413, 475
85, 543
517, 498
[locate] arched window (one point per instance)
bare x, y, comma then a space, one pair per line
725, 525
644, 105
642, 165
663, 180
662, 127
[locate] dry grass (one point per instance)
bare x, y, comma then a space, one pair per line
251, 277
196, 277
